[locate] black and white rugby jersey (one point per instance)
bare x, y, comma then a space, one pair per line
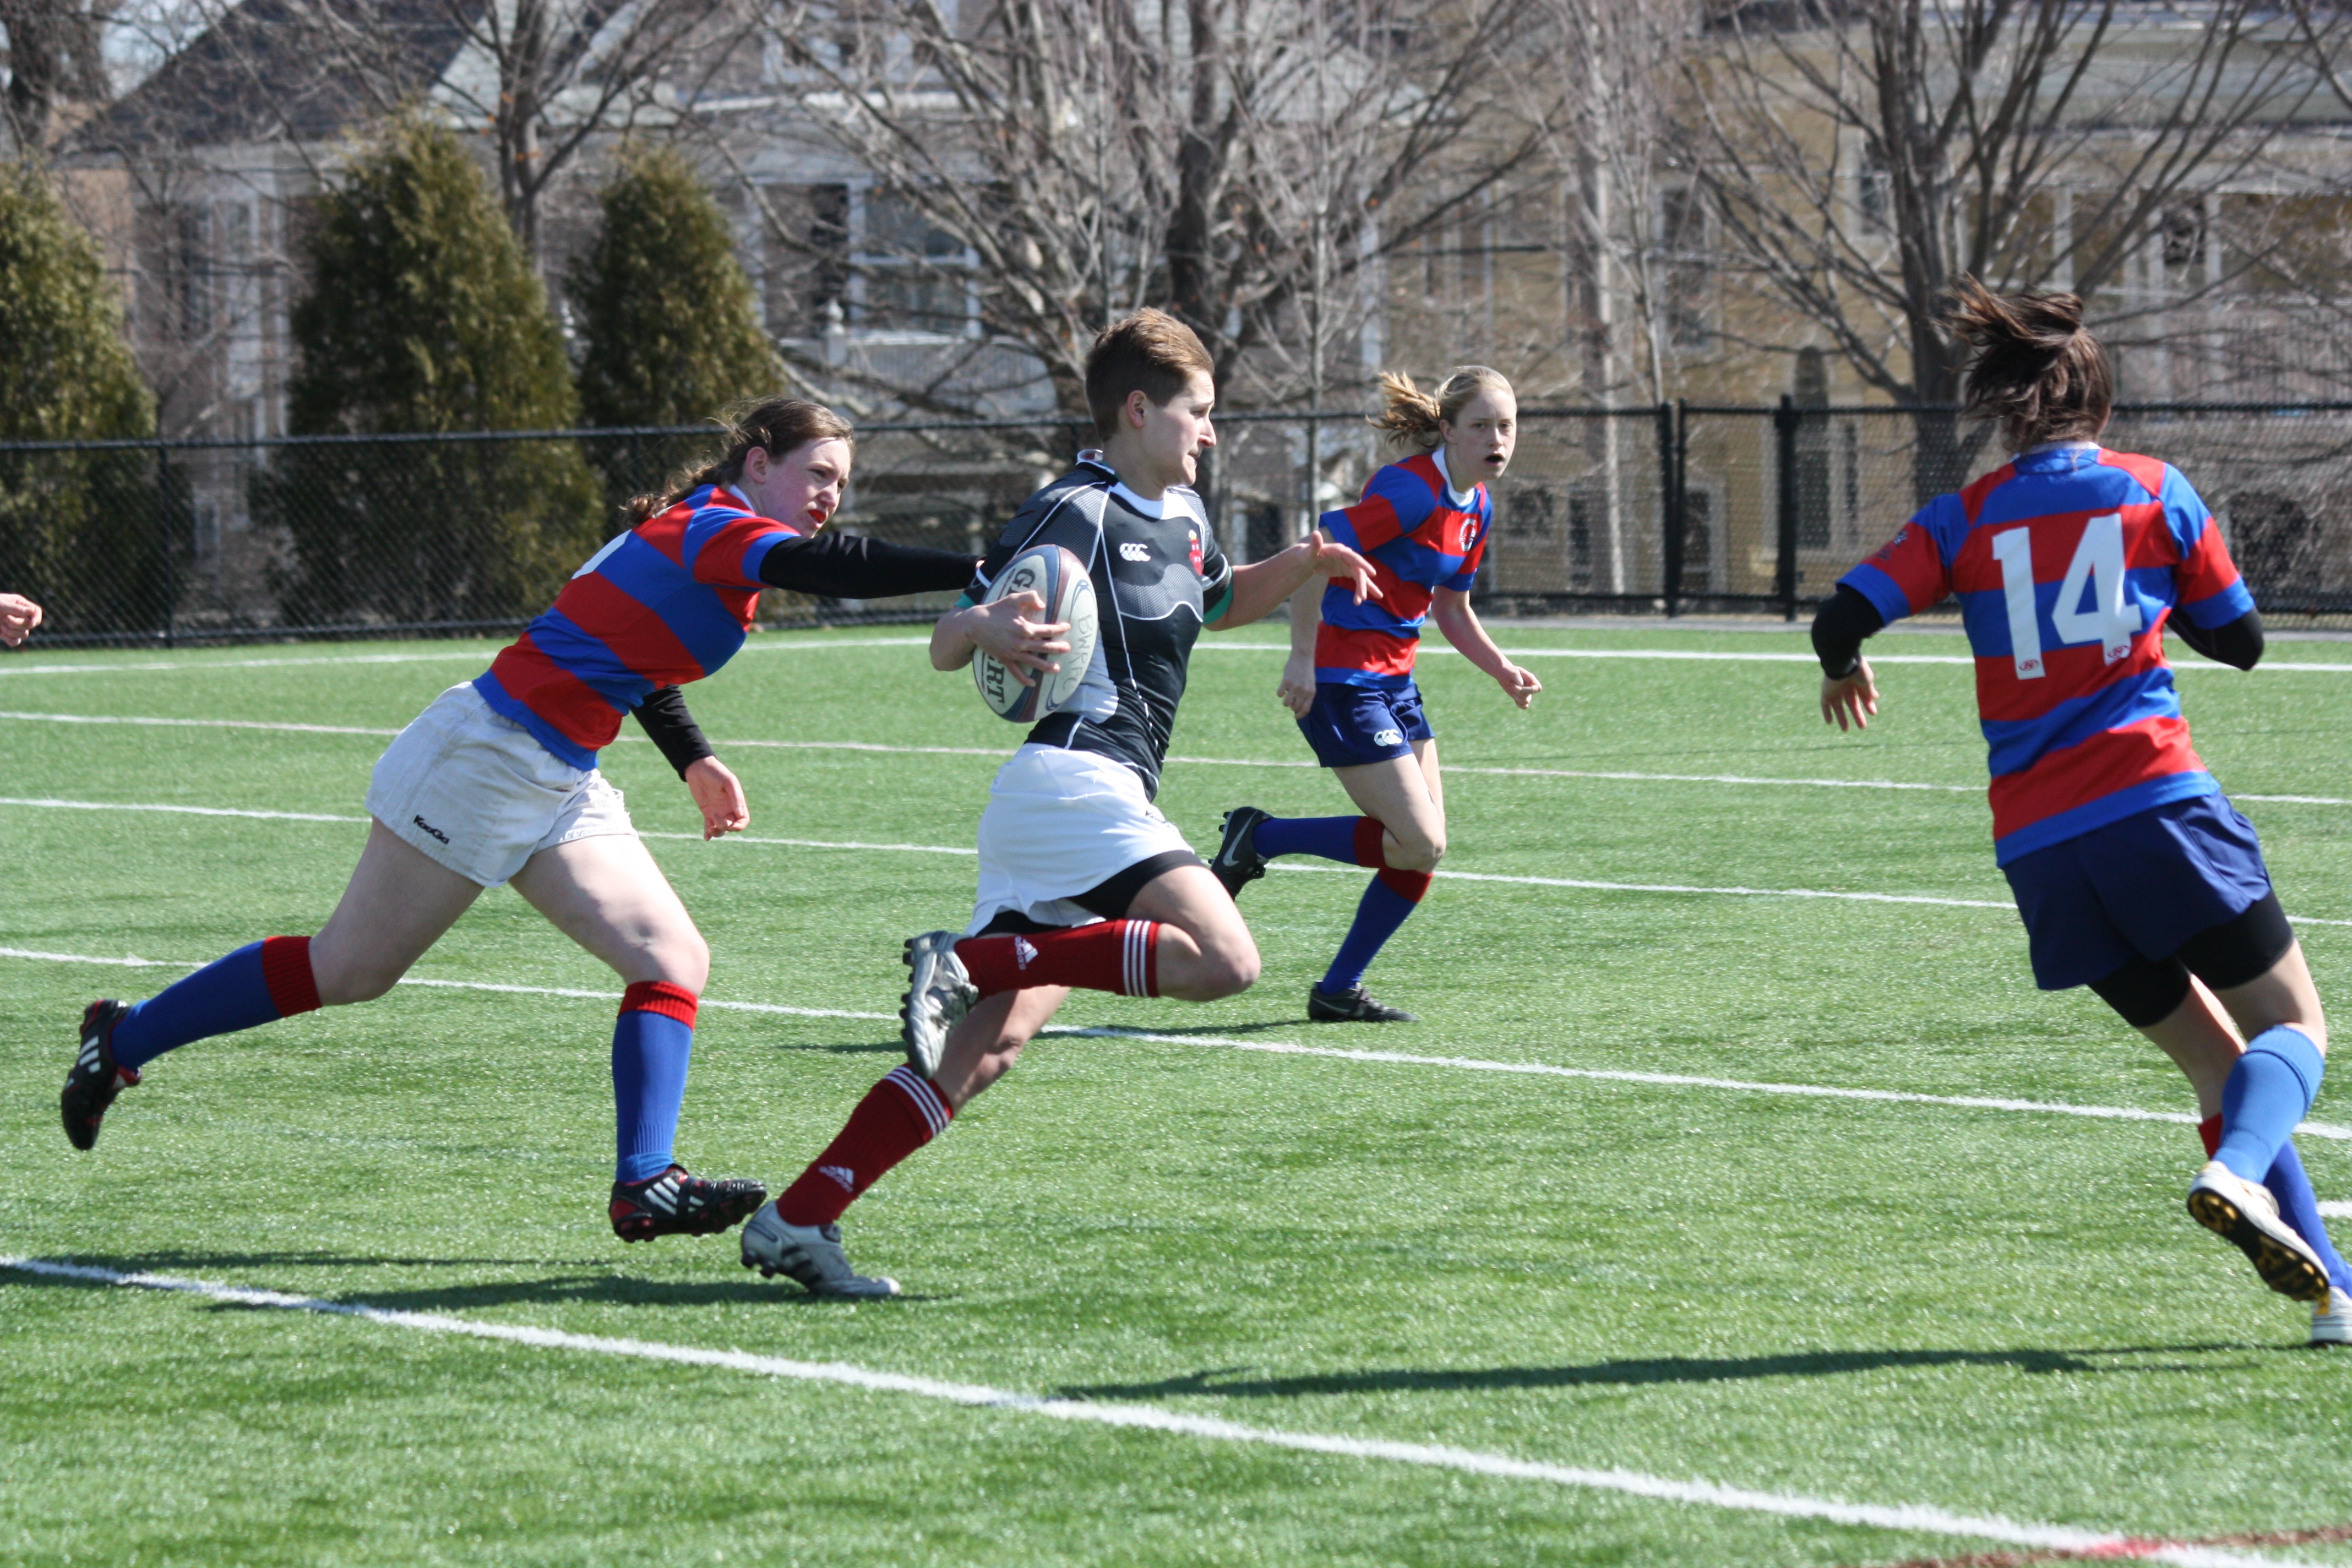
1159, 578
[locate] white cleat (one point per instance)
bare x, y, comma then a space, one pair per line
2331, 1320
811, 1253
939, 994
2245, 1214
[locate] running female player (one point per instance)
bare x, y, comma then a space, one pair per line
496, 782
1424, 521
1082, 881
2133, 874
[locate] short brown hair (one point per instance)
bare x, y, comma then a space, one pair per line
775, 425
2037, 369
1150, 352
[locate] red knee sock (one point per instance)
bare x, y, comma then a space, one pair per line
1117, 956
897, 1116
286, 969
2210, 1130
1369, 834
1408, 885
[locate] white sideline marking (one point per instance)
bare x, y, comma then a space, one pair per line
1287, 1048
1586, 883
2336, 1210
1190, 761
1912, 1517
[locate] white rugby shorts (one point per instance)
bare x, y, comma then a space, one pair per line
1058, 824
473, 790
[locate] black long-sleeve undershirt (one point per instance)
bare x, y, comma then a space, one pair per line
672, 729
1848, 617
848, 566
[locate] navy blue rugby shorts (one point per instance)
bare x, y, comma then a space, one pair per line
2136, 889
1350, 726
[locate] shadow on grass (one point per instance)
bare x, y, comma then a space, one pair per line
1634, 1374
594, 1287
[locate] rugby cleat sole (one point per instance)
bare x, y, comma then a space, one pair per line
2244, 1213
939, 994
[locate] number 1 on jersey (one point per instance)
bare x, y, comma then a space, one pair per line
2098, 564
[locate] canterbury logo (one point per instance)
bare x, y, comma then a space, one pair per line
1131, 551
1389, 738
1024, 951
841, 1174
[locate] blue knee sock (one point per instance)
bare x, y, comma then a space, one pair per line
2299, 1206
2267, 1093
652, 1044
1383, 909
258, 984
1332, 838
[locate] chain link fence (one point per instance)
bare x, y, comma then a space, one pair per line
1668, 510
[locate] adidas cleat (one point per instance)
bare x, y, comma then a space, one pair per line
95, 1080
810, 1254
939, 994
2245, 1214
1237, 863
2331, 1320
1356, 1006
678, 1203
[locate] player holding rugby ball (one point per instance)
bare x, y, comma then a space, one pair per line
1082, 883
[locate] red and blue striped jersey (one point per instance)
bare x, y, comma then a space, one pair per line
665, 603
2066, 562
1418, 541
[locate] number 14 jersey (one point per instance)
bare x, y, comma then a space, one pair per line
2066, 562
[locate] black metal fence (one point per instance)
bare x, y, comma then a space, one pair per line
1667, 510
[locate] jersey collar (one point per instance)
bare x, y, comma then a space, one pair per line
1461, 500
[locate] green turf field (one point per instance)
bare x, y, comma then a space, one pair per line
1411, 1274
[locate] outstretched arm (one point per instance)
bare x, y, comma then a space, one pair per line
1450, 608
1259, 586
1849, 693
849, 566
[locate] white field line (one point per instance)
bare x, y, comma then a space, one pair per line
1750, 779
1581, 882
1910, 1517
1335, 1053
2336, 1211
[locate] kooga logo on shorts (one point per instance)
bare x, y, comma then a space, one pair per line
430, 828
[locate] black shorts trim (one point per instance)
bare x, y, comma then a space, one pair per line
1012, 923
2142, 992
1110, 898
2241, 948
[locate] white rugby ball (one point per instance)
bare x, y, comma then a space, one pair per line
1058, 577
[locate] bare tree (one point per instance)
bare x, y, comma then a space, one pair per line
53, 58
1244, 164
1859, 154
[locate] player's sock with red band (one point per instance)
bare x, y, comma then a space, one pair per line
2298, 1204
653, 1042
1350, 840
258, 984
897, 1116
1384, 906
1117, 956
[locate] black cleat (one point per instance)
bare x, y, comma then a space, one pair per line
95, 1080
1238, 863
678, 1204
1355, 1006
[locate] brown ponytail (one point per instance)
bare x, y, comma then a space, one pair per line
1409, 417
2036, 368
775, 425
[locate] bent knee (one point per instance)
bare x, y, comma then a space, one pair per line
1229, 974
340, 988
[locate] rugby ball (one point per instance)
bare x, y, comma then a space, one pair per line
1058, 577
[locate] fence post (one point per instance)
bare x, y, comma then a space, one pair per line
163, 522
1670, 508
1784, 426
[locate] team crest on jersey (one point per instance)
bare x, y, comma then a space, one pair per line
1194, 540
1469, 536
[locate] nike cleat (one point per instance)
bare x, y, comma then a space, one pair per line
2244, 1213
95, 1080
1237, 862
677, 1202
1356, 1006
811, 1253
939, 994
2331, 1320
